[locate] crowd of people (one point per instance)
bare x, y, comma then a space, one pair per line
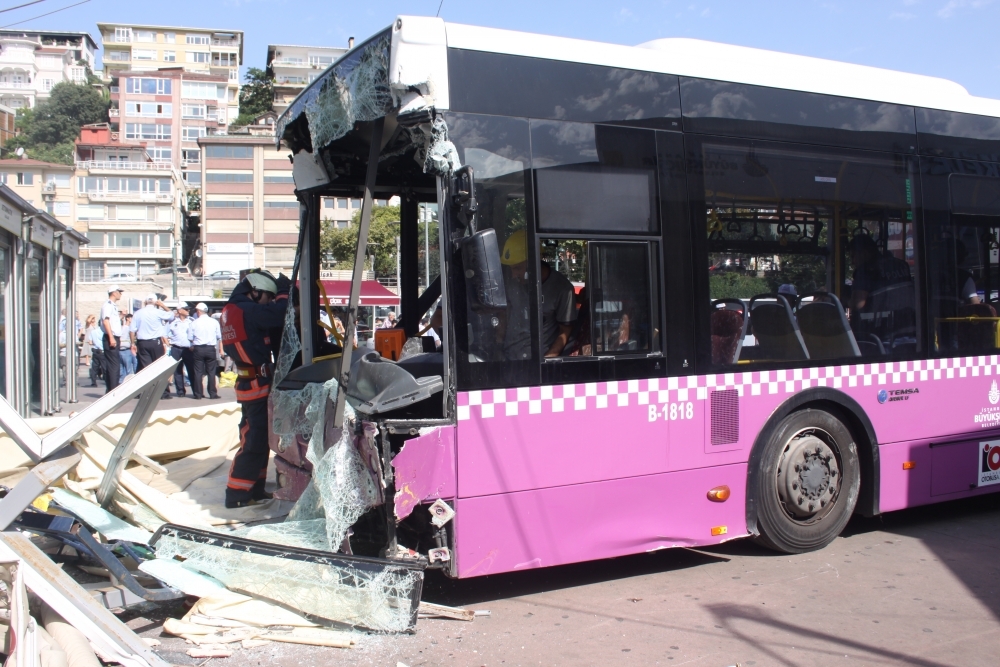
116, 344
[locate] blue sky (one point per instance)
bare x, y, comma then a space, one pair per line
953, 39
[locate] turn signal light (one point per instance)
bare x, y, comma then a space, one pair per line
719, 494
909, 465
719, 530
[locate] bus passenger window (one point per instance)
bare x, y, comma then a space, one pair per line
565, 329
811, 253
620, 299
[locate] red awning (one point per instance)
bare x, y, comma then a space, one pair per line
372, 293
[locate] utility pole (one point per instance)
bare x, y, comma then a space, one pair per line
173, 255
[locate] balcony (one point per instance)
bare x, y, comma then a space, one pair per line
94, 165
127, 226
226, 42
114, 113
290, 62
134, 251
190, 163
15, 85
132, 197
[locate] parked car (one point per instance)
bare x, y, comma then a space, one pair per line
223, 275
183, 273
120, 278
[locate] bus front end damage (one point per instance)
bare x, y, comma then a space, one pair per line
364, 443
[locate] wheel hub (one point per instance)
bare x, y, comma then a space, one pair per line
808, 476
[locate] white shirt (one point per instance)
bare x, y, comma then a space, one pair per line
178, 334
205, 330
109, 311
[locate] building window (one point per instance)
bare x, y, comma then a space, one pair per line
191, 156
287, 179
145, 36
198, 90
148, 109
60, 180
197, 56
25, 178
47, 84
158, 131
170, 56
224, 60
160, 154
242, 152
281, 204
148, 86
217, 177
170, 37
192, 177
90, 212
234, 75
3, 177
355, 203
279, 256
341, 203
117, 56
123, 35
197, 39
193, 111
144, 54
192, 133
60, 208
320, 61
228, 203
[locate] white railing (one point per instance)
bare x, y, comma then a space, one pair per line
132, 250
15, 84
145, 197
290, 62
114, 113
126, 166
225, 42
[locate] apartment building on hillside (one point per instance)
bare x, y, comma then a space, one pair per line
167, 111
138, 48
295, 67
45, 185
31, 63
127, 204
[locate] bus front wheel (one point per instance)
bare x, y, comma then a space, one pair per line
809, 483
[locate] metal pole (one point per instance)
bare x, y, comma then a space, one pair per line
249, 238
359, 265
173, 255
427, 246
398, 288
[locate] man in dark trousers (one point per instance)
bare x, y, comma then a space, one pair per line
147, 330
205, 336
254, 314
111, 326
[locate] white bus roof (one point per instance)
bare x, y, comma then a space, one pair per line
736, 64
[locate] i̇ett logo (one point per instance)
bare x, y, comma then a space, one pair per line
994, 394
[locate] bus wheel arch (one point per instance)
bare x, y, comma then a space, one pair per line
847, 411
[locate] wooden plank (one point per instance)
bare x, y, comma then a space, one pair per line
431, 610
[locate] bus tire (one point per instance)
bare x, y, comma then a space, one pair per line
808, 484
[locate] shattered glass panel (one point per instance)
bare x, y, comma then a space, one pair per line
379, 599
355, 89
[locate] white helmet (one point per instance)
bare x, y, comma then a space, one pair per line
262, 281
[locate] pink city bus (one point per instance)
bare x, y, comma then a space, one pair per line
684, 292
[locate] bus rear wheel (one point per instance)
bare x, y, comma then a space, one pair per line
808, 485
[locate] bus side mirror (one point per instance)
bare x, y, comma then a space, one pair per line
483, 271
463, 196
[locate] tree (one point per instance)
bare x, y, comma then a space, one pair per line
342, 244
256, 96
47, 132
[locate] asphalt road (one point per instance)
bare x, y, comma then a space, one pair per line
918, 587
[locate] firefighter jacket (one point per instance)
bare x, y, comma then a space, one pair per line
247, 332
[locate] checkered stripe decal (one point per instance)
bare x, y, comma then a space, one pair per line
489, 403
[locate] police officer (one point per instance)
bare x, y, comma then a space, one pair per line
180, 348
146, 330
111, 326
255, 311
205, 335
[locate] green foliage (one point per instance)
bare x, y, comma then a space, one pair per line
736, 285
341, 244
194, 200
47, 131
256, 96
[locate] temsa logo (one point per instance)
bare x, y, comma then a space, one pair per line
991, 458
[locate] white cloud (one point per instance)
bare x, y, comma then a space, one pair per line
953, 6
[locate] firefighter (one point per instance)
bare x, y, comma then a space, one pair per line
254, 315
